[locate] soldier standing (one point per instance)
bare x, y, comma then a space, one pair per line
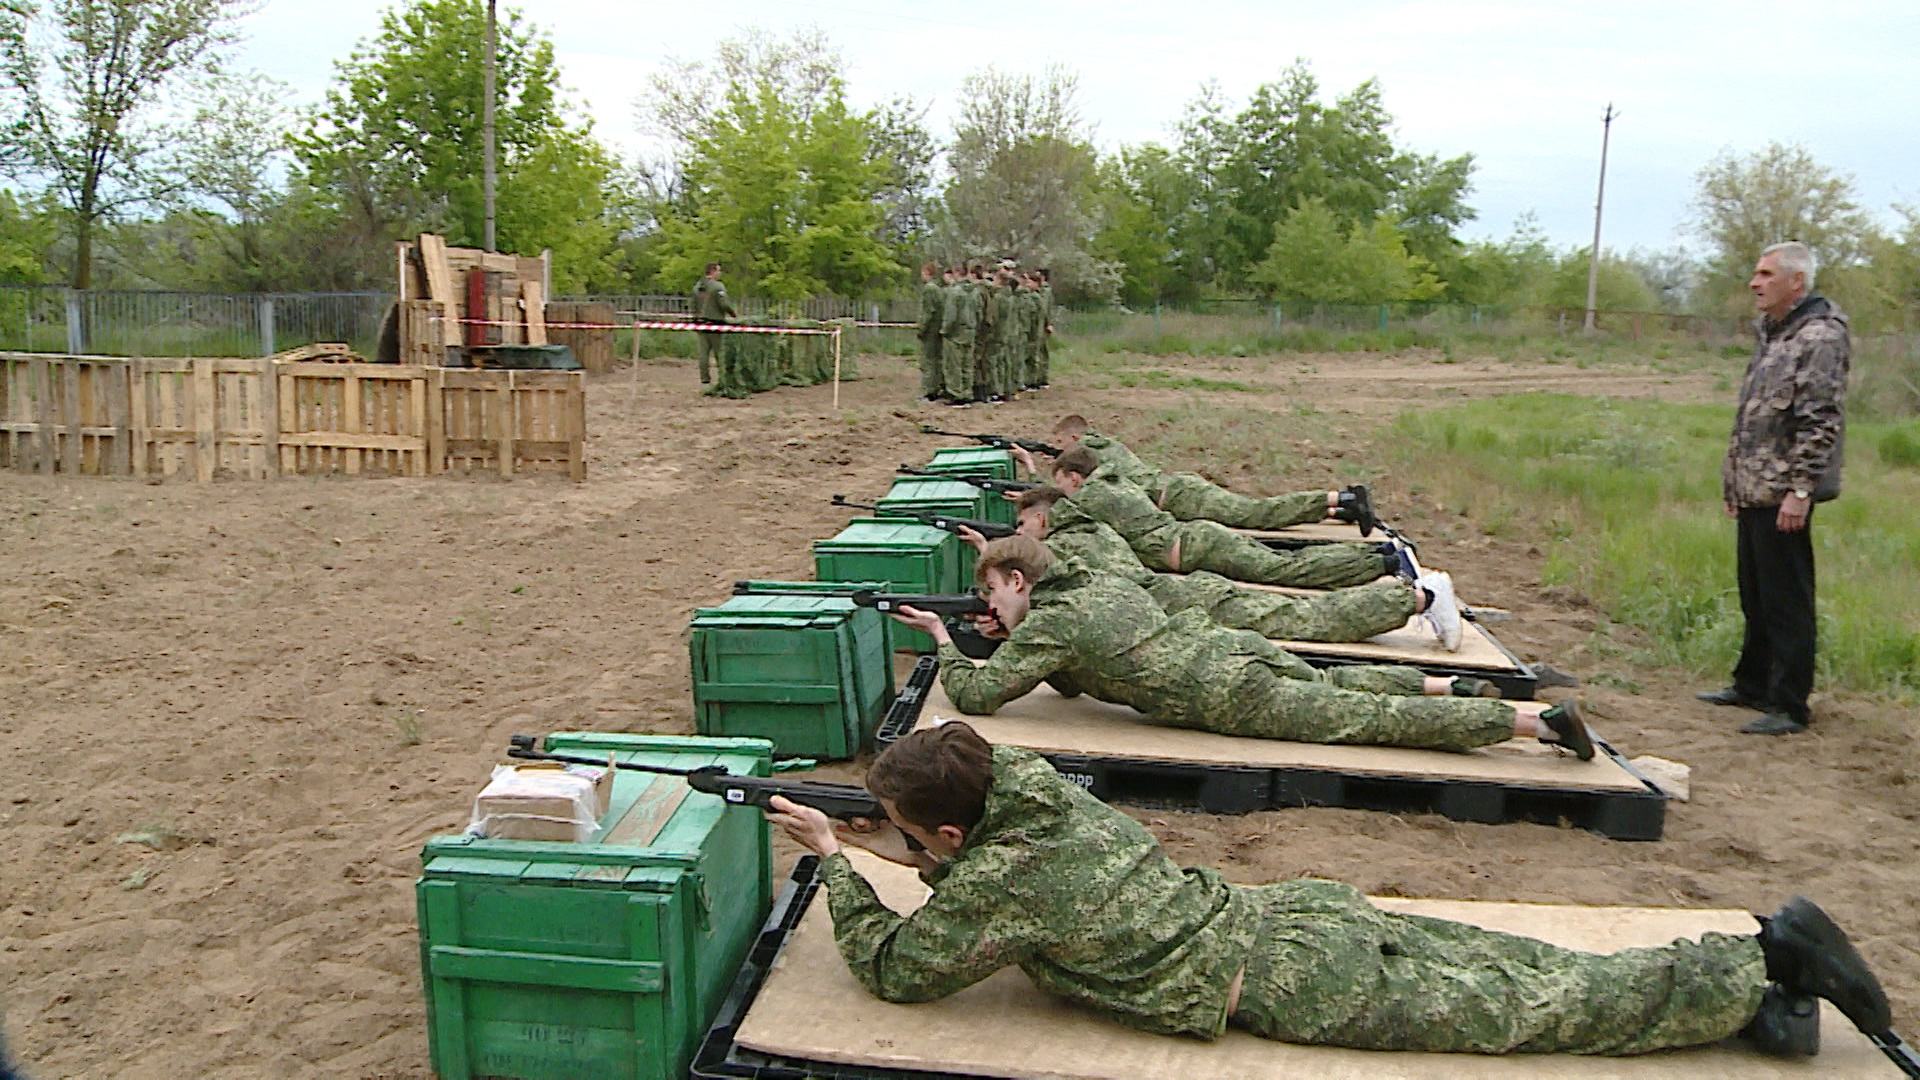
710, 305
960, 321
1006, 333
932, 318
1784, 456
1043, 371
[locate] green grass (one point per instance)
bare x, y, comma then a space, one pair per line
1626, 494
1166, 380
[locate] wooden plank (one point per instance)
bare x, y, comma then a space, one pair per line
269, 419
577, 429
1043, 720
42, 380
417, 425
288, 399
350, 423
1414, 644
137, 416
436, 429
71, 411
534, 299
358, 371
811, 1008
205, 447
400, 271
649, 813
440, 286
363, 441
507, 417
169, 417
121, 408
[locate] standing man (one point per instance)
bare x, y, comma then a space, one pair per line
1784, 456
710, 305
1042, 371
932, 318
960, 320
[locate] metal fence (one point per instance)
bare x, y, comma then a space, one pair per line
898, 309
51, 318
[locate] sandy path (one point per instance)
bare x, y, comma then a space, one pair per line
231, 669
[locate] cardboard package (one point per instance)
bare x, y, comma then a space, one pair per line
543, 801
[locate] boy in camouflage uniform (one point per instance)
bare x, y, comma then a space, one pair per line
1168, 545
959, 322
710, 305
1029, 869
1086, 632
932, 319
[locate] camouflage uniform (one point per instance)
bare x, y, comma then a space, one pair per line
1192, 497
998, 354
1353, 614
1029, 338
1789, 431
1082, 899
710, 305
1043, 371
932, 320
1154, 534
960, 322
1102, 635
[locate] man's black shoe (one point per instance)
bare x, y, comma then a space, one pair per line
1356, 505
1569, 731
1807, 954
1773, 723
1787, 1025
1730, 696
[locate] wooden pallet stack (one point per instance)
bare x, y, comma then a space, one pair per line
459, 298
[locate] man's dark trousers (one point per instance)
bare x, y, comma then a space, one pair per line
1776, 595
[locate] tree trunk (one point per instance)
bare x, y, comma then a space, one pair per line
83, 246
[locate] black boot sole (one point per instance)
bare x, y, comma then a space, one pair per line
1787, 1025
1570, 731
1819, 960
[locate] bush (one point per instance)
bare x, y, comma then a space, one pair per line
1899, 447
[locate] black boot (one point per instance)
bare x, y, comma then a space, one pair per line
1470, 687
1787, 1025
1569, 731
1807, 954
1356, 505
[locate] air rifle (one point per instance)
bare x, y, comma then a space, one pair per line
984, 483
946, 606
843, 801
998, 442
992, 530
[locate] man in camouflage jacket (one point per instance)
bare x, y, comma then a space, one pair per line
1029, 869
932, 321
1783, 457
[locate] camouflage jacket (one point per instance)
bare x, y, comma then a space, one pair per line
1789, 430
960, 314
1077, 894
1109, 496
1102, 635
710, 301
933, 309
1113, 452
1071, 534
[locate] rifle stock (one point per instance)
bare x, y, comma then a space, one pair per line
948, 605
992, 530
998, 442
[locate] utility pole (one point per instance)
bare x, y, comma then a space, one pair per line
1593, 259
486, 125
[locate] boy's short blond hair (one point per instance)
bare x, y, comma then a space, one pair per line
1022, 553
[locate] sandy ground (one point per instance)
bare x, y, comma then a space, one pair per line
213, 805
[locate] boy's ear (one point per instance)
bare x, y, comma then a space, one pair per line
953, 834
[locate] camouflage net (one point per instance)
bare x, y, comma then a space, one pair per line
751, 363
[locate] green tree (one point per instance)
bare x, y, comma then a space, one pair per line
26, 234
776, 176
1142, 193
1742, 203
1314, 256
87, 76
400, 133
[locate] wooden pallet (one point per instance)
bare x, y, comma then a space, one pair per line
795, 1012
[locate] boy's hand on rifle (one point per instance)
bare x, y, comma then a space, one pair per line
1025, 458
988, 625
924, 621
808, 827
972, 537
884, 839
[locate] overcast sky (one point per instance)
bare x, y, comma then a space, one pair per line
1520, 85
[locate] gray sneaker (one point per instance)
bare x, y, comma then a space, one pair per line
1444, 613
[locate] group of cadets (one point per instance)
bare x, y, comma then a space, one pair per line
983, 331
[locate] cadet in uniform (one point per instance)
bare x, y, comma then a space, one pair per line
960, 321
1031, 870
932, 319
1043, 372
1082, 631
710, 305
1167, 545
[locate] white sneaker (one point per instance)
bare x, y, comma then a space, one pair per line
1444, 613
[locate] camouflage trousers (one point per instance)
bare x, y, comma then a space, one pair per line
1361, 705
956, 367
1004, 370
1194, 498
932, 378
1341, 615
1328, 968
1043, 361
711, 351
1209, 545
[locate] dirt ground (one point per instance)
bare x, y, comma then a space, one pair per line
233, 713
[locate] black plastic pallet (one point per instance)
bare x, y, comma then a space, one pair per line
721, 1058
1233, 789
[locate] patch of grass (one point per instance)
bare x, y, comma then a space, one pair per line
406, 726
1899, 447
1166, 380
1627, 496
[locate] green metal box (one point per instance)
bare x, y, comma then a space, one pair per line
908, 556
974, 461
813, 674
604, 960
954, 497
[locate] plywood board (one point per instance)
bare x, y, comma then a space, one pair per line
1045, 721
812, 1009
1317, 530
1415, 644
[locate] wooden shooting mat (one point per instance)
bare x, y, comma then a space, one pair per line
1317, 531
1046, 722
811, 1008
1416, 645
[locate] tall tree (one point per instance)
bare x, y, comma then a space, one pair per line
775, 175
1744, 202
1316, 256
87, 76
904, 147
399, 135
1024, 179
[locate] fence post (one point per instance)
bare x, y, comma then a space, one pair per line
266, 325
1276, 316
1156, 317
76, 330
1383, 316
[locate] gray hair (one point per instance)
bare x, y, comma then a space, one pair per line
1795, 258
